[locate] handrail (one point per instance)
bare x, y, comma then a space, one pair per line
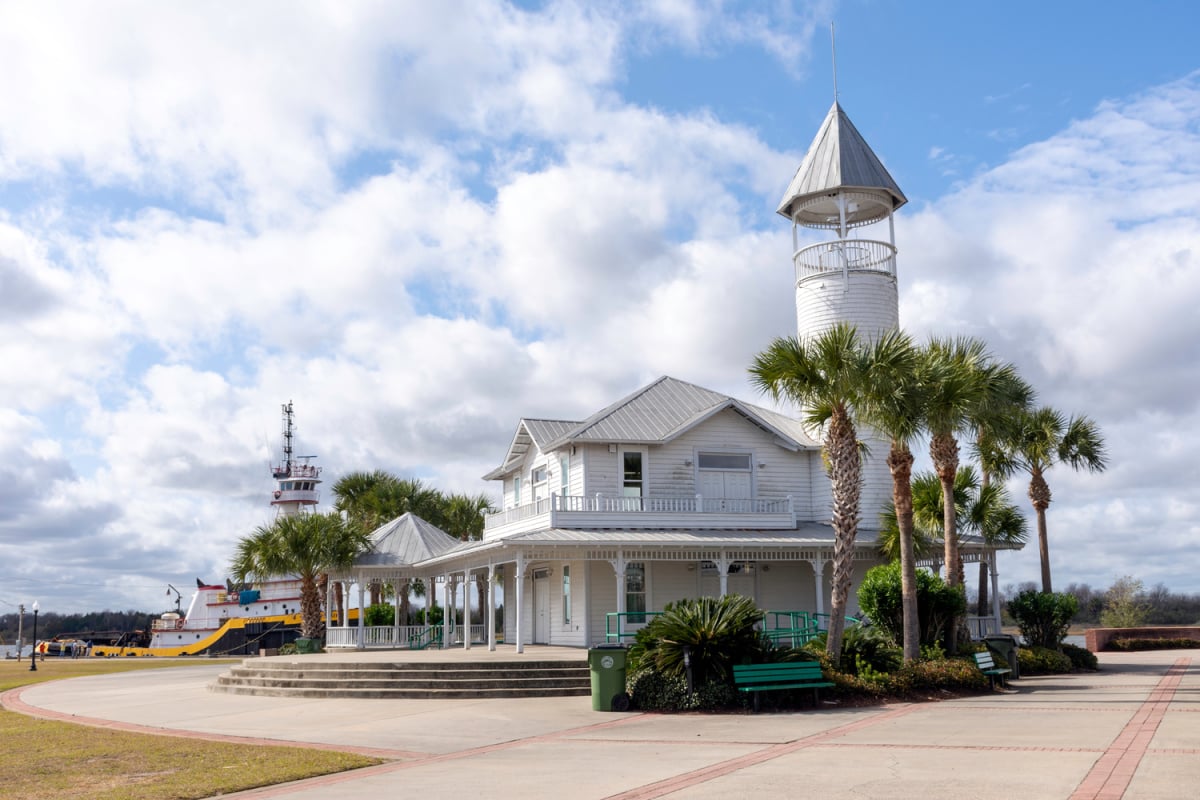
618, 634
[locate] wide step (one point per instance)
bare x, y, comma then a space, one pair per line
420, 680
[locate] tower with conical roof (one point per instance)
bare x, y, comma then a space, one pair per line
842, 188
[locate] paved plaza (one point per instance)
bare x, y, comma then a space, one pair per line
1131, 730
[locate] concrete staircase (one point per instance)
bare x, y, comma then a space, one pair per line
420, 680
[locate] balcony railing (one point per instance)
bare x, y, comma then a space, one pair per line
846, 255
556, 509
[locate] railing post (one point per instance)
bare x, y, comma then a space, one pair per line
700, 503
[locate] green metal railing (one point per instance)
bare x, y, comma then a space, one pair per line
423, 639
614, 627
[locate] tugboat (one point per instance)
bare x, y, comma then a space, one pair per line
228, 619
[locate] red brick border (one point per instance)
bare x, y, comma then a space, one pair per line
1113, 771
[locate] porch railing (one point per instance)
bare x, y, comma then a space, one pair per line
376, 637
613, 504
614, 624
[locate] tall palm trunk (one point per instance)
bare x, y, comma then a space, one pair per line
900, 461
943, 450
845, 467
981, 606
310, 608
1039, 495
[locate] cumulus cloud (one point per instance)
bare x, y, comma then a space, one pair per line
422, 224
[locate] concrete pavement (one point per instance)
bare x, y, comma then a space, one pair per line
1131, 730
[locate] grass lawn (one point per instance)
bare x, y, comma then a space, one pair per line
42, 758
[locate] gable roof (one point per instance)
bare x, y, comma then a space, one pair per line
838, 158
530, 432
405, 540
656, 414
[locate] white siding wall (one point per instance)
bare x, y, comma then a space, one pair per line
667, 475
602, 597
669, 580
786, 586
869, 302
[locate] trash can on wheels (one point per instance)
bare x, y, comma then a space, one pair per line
607, 667
1005, 645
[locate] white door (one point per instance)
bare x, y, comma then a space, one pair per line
541, 608
718, 488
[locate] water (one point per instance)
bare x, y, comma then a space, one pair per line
11, 649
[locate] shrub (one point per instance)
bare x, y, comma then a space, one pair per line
879, 597
288, 649
1043, 617
381, 614
1081, 657
715, 633
1123, 607
1042, 661
1152, 644
653, 691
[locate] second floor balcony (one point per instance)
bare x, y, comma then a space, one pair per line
609, 511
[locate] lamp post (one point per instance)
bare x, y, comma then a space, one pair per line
33, 651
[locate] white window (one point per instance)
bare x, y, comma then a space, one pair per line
635, 593
566, 594
537, 482
633, 478
516, 498
564, 478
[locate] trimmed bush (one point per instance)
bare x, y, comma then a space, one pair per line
1042, 661
654, 691
1151, 644
1043, 617
879, 597
1081, 657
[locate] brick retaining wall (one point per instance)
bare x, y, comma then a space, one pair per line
1098, 638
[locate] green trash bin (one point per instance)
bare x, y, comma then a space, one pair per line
607, 666
1005, 646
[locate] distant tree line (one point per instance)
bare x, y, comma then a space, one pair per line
51, 624
1157, 606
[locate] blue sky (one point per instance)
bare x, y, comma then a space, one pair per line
421, 221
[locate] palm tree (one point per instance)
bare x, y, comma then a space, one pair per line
1045, 438
969, 392
999, 523
830, 375
305, 546
895, 408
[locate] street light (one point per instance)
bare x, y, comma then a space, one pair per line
33, 653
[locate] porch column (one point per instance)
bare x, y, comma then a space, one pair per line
723, 571
430, 588
395, 614
447, 611
818, 566
466, 609
995, 591
519, 581
362, 618
328, 606
491, 612
618, 564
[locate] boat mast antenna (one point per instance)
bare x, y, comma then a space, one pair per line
833, 50
287, 436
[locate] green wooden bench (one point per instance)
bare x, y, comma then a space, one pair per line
987, 665
781, 675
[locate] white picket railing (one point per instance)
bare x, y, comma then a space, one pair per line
615, 504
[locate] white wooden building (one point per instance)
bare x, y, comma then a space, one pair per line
677, 491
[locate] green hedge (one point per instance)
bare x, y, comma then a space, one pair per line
1151, 644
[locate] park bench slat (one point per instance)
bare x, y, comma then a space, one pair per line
782, 675
987, 665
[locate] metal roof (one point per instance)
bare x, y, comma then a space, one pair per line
839, 158
654, 414
406, 540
